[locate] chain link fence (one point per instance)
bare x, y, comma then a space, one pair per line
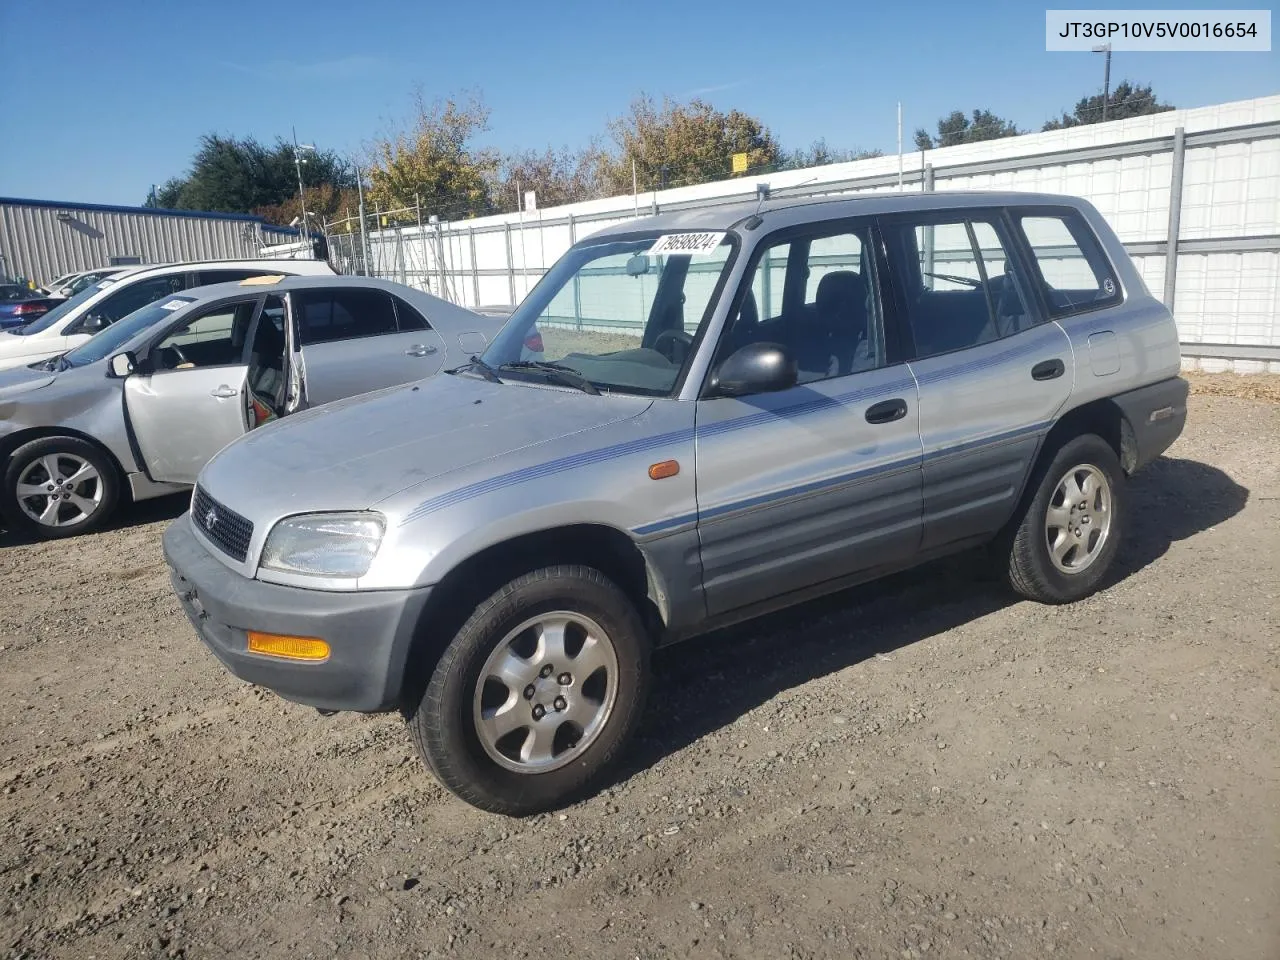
1182, 189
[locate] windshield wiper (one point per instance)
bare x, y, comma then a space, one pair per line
480, 367
555, 371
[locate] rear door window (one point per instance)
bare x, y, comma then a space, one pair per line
1074, 274
327, 315
954, 281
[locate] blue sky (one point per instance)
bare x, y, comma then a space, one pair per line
116, 95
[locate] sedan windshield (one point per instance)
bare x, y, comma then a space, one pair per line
57, 313
615, 314
110, 340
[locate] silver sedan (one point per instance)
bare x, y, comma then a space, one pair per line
136, 411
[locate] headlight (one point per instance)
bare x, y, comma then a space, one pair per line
324, 544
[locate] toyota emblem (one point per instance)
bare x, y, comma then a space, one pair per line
210, 519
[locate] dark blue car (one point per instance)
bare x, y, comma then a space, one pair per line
20, 305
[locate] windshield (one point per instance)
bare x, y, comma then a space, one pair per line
619, 315
57, 313
102, 345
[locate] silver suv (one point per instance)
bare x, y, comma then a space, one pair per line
731, 410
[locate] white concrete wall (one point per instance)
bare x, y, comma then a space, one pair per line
1229, 191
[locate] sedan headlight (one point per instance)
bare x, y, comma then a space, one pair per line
324, 544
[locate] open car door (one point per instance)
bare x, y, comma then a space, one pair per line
192, 399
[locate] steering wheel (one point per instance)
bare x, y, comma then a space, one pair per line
681, 341
177, 353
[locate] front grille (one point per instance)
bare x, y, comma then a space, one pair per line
222, 525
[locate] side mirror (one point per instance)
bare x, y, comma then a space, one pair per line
755, 368
121, 365
95, 322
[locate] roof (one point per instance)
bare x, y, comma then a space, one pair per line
428, 303
321, 267
148, 211
784, 212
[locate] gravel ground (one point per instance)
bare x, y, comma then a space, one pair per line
918, 768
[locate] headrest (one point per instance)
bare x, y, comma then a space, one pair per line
840, 291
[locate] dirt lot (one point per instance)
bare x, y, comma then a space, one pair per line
922, 768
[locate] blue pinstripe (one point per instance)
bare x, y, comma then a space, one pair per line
798, 408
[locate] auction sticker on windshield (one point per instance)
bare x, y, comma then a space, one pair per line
694, 244
174, 304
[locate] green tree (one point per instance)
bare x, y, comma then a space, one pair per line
1126, 100
435, 162
819, 154
325, 202
240, 175
956, 128
683, 143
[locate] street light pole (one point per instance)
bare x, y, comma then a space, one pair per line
1106, 77
297, 163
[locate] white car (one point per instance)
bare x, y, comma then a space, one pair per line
96, 307
72, 283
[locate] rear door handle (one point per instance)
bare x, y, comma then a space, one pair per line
223, 392
886, 411
1048, 369
420, 350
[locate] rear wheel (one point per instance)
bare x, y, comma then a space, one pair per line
58, 487
537, 694
1070, 533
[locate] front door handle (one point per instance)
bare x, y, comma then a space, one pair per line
420, 350
223, 392
1048, 369
887, 411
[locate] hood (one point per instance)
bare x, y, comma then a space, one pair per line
354, 453
16, 351
21, 379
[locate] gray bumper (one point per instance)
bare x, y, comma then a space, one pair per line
369, 634
1156, 414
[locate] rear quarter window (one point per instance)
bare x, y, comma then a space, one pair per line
1074, 274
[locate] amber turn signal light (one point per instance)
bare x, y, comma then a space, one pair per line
667, 468
290, 648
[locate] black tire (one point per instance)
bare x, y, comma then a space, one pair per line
32, 453
1032, 571
443, 725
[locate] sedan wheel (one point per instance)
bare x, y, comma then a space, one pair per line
58, 487
59, 490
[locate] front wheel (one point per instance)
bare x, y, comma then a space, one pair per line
1069, 535
58, 487
537, 694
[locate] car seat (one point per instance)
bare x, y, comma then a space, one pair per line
829, 343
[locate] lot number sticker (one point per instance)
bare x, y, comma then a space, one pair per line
174, 304
693, 244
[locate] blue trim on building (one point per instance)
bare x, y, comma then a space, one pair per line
156, 211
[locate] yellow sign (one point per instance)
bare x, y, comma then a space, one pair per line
384, 221
739, 163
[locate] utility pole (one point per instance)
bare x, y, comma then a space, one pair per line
364, 237
1106, 77
297, 163
900, 146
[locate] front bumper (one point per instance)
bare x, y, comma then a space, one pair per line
369, 633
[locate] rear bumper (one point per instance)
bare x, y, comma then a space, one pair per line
1156, 414
369, 633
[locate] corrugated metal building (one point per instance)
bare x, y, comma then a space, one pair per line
43, 239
